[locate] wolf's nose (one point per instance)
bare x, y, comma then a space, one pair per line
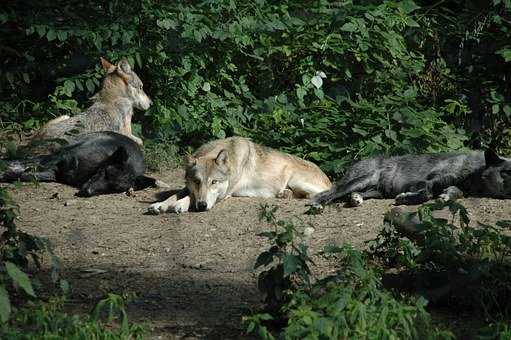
202, 206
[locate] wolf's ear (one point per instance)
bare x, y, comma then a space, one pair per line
190, 160
107, 66
491, 158
120, 156
124, 66
221, 159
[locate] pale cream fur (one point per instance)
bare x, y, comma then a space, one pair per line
238, 167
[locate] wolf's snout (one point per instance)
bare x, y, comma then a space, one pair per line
202, 206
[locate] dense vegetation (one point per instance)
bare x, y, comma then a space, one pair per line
417, 261
331, 81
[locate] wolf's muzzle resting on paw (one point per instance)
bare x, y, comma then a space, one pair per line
238, 167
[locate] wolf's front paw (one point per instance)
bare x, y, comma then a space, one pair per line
137, 140
179, 207
157, 208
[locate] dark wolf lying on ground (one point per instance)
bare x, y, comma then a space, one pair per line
414, 179
112, 109
98, 163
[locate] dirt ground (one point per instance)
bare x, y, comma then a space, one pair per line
192, 273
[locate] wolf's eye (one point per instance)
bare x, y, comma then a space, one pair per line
214, 181
196, 181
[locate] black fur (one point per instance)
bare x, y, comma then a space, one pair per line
98, 163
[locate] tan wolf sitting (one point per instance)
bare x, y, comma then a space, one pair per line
238, 167
111, 110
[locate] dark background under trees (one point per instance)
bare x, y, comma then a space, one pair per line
329, 81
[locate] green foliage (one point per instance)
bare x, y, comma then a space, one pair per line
161, 154
287, 261
49, 321
16, 249
475, 258
348, 304
329, 81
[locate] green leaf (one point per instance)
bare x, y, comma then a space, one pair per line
504, 224
507, 110
495, 108
69, 87
206, 87
349, 27
412, 23
89, 85
5, 305
19, 278
291, 264
51, 35
166, 23
317, 81
62, 35
408, 6
264, 259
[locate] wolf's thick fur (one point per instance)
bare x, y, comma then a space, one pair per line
111, 110
98, 163
238, 167
414, 179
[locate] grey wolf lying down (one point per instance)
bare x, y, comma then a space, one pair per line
98, 163
414, 179
238, 167
112, 110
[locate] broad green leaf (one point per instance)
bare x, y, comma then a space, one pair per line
408, 6
317, 81
349, 27
206, 87
19, 278
89, 85
69, 86
5, 305
62, 35
291, 263
51, 35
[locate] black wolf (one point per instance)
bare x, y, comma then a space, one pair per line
414, 179
98, 163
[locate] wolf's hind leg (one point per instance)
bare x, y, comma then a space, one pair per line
342, 191
452, 193
305, 184
357, 198
413, 198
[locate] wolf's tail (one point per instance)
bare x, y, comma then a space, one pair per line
24, 170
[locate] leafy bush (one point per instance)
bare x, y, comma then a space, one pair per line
444, 256
16, 249
349, 304
330, 81
48, 321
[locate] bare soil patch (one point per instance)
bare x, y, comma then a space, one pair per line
192, 273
